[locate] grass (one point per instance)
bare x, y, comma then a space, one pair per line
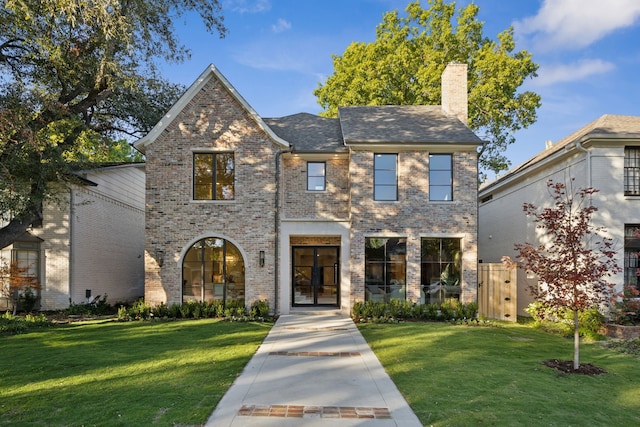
122, 374
454, 375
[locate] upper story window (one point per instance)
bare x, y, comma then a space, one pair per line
213, 176
385, 177
632, 171
440, 177
316, 176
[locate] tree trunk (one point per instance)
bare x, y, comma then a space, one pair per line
16, 228
576, 341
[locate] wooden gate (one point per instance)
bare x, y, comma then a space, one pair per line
497, 292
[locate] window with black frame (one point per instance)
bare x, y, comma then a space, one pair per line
441, 266
385, 177
316, 176
213, 176
385, 268
631, 254
441, 177
632, 171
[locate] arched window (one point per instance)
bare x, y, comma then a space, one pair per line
213, 269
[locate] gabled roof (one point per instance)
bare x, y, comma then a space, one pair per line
210, 72
608, 127
309, 133
404, 125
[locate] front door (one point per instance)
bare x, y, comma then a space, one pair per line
316, 276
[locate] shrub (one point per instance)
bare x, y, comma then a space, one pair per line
11, 325
398, 309
560, 321
627, 311
259, 309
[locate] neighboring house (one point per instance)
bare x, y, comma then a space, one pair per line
91, 241
305, 211
605, 155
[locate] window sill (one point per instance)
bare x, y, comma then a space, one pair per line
213, 202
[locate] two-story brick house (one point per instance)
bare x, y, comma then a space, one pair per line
306, 211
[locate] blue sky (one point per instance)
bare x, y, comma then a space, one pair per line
278, 51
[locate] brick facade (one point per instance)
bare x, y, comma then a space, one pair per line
212, 117
212, 121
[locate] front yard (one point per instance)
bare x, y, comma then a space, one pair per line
494, 376
174, 372
122, 374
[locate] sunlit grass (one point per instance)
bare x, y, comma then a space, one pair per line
466, 376
163, 373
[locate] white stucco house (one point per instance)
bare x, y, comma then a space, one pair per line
605, 155
90, 242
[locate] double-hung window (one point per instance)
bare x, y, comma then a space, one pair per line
385, 177
440, 177
316, 176
632, 171
213, 176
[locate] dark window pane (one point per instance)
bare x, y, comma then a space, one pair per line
385, 269
213, 170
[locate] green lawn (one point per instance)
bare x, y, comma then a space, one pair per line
127, 374
493, 376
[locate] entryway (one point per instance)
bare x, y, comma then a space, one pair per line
315, 276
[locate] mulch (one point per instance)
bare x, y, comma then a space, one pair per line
566, 366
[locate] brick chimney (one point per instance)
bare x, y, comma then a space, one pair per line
454, 91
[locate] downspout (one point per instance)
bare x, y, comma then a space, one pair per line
588, 155
277, 230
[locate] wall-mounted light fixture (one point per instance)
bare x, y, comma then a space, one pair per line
160, 257
261, 258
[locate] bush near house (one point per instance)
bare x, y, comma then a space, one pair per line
395, 310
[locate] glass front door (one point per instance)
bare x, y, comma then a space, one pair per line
316, 275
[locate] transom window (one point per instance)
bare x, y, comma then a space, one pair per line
632, 171
213, 176
440, 177
385, 268
441, 264
385, 177
316, 176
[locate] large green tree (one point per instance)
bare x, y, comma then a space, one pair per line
77, 76
404, 64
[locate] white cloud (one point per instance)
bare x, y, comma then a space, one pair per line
551, 74
574, 24
247, 6
281, 25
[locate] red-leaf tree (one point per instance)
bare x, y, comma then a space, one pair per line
574, 261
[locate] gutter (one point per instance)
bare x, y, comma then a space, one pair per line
277, 230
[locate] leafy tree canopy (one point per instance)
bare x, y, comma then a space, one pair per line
76, 77
404, 64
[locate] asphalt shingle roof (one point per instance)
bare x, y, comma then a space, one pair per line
309, 133
407, 124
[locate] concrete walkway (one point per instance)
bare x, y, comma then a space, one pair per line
313, 370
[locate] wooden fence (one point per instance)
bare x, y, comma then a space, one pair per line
497, 292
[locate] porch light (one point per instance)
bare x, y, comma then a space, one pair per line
261, 258
159, 257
